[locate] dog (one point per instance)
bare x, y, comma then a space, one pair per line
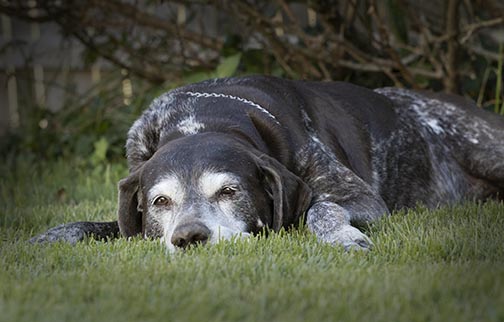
232, 157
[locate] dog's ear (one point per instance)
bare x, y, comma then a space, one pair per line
291, 196
129, 216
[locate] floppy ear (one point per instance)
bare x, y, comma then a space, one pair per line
291, 196
129, 217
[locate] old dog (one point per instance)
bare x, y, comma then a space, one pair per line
231, 157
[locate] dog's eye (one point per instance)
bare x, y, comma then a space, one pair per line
227, 192
162, 201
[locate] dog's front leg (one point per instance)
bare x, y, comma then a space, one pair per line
330, 222
78, 231
340, 199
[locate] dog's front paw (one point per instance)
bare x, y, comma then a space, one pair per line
70, 233
328, 221
351, 238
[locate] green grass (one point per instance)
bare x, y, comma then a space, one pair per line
444, 265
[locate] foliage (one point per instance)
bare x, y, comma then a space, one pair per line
497, 105
92, 127
442, 265
441, 45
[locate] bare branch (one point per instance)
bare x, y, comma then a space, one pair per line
470, 29
450, 82
385, 38
349, 39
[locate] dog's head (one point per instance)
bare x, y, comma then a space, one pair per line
207, 187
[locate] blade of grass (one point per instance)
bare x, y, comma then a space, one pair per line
484, 82
498, 88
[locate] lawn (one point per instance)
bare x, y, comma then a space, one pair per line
443, 265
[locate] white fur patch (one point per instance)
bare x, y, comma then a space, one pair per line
190, 126
225, 229
435, 126
169, 186
211, 182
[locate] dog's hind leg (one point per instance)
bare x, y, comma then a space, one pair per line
474, 136
79, 231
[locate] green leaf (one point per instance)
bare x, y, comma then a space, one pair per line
100, 151
228, 66
197, 77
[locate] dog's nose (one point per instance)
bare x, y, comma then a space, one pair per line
189, 234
